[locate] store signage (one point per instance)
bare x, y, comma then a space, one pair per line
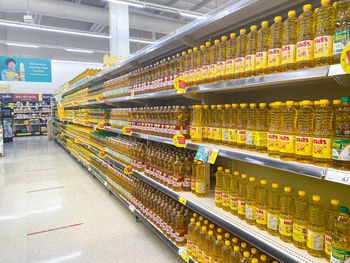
180, 84
25, 97
179, 140
25, 69
126, 130
207, 154
46, 97
6, 96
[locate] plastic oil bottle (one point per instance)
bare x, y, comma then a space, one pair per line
243, 247
262, 126
241, 51
214, 60
275, 50
194, 176
251, 127
250, 214
201, 55
288, 132
315, 228
209, 247
341, 240
202, 244
300, 220
261, 205
230, 61
322, 139
190, 233
226, 121
286, 215
242, 125
226, 251
219, 243
200, 180
250, 58
289, 45
233, 125
205, 123
323, 52
234, 192
264, 38
218, 186
273, 210
305, 131
218, 124
221, 60
212, 118
235, 255
331, 215
226, 190
245, 258
196, 232
193, 67
341, 141
342, 28
273, 136
242, 196
206, 64
196, 127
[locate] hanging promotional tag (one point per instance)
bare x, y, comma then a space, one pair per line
100, 98
345, 59
126, 130
179, 140
128, 169
180, 84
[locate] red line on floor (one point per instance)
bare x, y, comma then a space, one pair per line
53, 229
39, 190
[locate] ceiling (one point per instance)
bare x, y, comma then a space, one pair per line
87, 16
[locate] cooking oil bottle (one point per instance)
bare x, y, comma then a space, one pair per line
234, 192
241, 51
196, 240
194, 176
196, 126
233, 125
205, 123
230, 61
242, 196
180, 229
273, 210
242, 125
214, 60
261, 205
288, 131
322, 139
200, 180
341, 141
188, 66
273, 135
315, 228
250, 58
306, 35
275, 50
286, 215
218, 124
201, 55
305, 131
219, 243
251, 127
193, 67
226, 121
324, 34
243, 247
226, 190
190, 230
331, 215
342, 29
289, 45
253, 254
264, 38
235, 255
250, 214
226, 251
206, 64
221, 60
218, 186
341, 240
262, 128
212, 118
202, 244
245, 258
209, 247
300, 220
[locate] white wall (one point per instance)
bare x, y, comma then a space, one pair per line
62, 72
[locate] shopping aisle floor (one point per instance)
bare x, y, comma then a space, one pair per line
44, 188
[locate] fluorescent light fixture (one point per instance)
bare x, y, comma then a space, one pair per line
190, 15
50, 29
78, 62
141, 41
21, 45
127, 3
79, 50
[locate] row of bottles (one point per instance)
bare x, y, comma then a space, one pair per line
294, 219
119, 181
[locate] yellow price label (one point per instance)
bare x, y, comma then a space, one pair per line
100, 126
345, 59
85, 123
76, 140
180, 84
182, 200
179, 140
102, 154
63, 134
213, 155
185, 257
128, 169
74, 103
75, 121
100, 98
126, 130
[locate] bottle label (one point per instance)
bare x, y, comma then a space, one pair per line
213, 71
200, 188
323, 46
339, 256
328, 245
189, 245
261, 60
218, 197
199, 74
250, 137
220, 68
207, 259
250, 212
210, 133
315, 240
261, 216
239, 65
286, 227
205, 72
299, 233
217, 134
305, 50
232, 135
241, 207
180, 237
187, 76
193, 75
303, 145
233, 203
193, 185
274, 57
225, 200
341, 149
225, 135
340, 40
200, 256
194, 250
229, 67
261, 139
288, 54
273, 142
272, 221
250, 62
322, 148
196, 133
287, 143
205, 132
186, 182
241, 136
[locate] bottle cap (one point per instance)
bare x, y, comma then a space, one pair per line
210, 232
306, 102
236, 173
242, 31
323, 102
219, 168
227, 106
219, 237
202, 46
195, 161
289, 103
263, 257
278, 19
255, 260
252, 105
335, 4
301, 193
236, 248
227, 243
223, 38
343, 209
263, 104
227, 234
277, 103
204, 228
263, 181
195, 214
193, 220
206, 222
201, 218
288, 189
243, 105
244, 245
199, 162
253, 28
251, 179
335, 202
234, 105
307, 7
345, 99
213, 107
291, 13
316, 198
183, 53
227, 171
189, 51
195, 49
325, 1
232, 35
235, 240
274, 185
217, 41
264, 23
316, 10
219, 230
336, 102
219, 106
244, 176
246, 254
208, 44
198, 224
211, 226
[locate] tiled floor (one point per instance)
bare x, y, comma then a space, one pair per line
108, 233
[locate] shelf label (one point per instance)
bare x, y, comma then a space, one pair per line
100, 98
180, 84
131, 208
100, 126
182, 200
126, 130
207, 154
345, 59
128, 169
85, 123
179, 140
185, 257
105, 183
102, 154
338, 177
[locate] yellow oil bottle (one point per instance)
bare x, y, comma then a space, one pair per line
206, 64
234, 192
243, 248
289, 44
262, 126
331, 215
226, 121
322, 139
188, 64
218, 186
219, 243
233, 125
315, 228
288, 132
273, 136
180, 229
190, 233
235, 255
305, 131
196, 127
205, 123
196, 240
212, 119
226, 251
209, 247
230, 61
241, 51
250, 58
194, 176
306, 35
261, 205
219, 232
255, 260
323, 52
235, 241
253, 254
245, 258
342, 27
202, 244
242, 125
242, 196
221, 60
251, 127
200, 180
193, 68
201, 55
227, 237
218, 124
300, 220
275, 50
341, 240
250, 214
214, 60
286, 215
273, 210
226, 190
264, 38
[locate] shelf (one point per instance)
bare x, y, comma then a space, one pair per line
21, 134
21, 124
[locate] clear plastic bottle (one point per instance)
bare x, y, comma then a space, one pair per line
275, 50
226, 190
226, 251
253, 254
205, 123
251, 126
289, 45
196, 127
234, 192
242, 125
342, 28
209, 247
262, 128
331, 216
235, 255
218, 124
261, 205
214, 60
202, 244
221, 60
286, 215
200, 180
341, 240
205, 79
250, 215
212, 118
226, 121
242, 196
233, 125
288, 132
219, 186
196, 240
250, 58
201, 55
230, 61
273, 210
219, 243
245, 258
264, 38
241, 51
190, 233
194, 175
243, 248
300, 220
275, 130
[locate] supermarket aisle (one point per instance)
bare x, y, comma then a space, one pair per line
43, 188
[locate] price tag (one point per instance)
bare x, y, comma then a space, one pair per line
102, 154
85, 123
179, 140
126, 130
128, 169
105, 183
338, 176
345, 59
75, 121
182, 200
100, 98
63, 134
185, 257
180, 84
75, 103
76, 140
207, 154
131, 208
100, 126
